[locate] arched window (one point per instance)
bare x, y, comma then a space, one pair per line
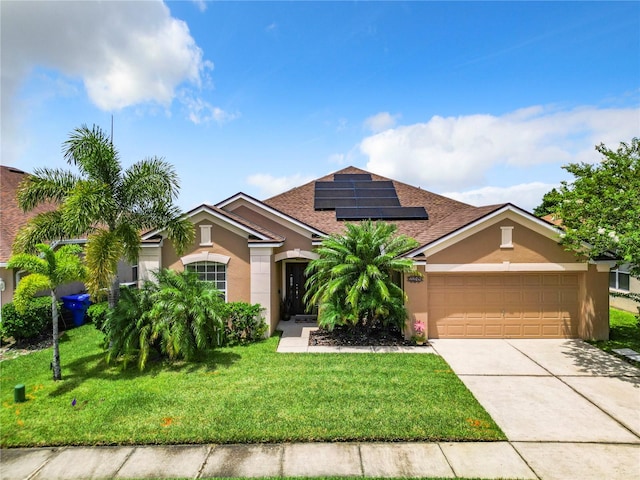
214, 272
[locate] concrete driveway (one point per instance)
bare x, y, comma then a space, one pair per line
570, 410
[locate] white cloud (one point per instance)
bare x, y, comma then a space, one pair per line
457, 152
200, 111
381, 121
201, 4
124, 53
269, 185
525, 195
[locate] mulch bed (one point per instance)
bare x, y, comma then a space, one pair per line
11, 349
343, 337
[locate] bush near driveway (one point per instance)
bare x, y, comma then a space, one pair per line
240, 394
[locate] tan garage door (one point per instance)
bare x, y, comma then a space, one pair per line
503, 305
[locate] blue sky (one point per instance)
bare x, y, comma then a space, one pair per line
480, 101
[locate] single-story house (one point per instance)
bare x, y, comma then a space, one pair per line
12, 218
487, 272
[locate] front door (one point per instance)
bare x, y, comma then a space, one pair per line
295, 288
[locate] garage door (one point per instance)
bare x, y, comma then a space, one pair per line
503, 305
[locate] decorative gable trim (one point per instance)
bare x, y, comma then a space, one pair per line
242, 198
508, 211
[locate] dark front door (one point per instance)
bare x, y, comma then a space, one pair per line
295, 287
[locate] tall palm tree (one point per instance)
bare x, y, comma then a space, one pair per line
109, 205
352, 281
47, 271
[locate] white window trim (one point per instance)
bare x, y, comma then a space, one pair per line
507, 237
205, 257
205, 236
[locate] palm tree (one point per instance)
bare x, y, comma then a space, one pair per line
352, 281
47, 271
178, 316
109, 205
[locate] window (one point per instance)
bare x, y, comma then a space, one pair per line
211, 272
619, 280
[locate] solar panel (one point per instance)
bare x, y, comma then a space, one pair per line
336, 193
381, 213
376, 202
332, 203
351, 177
374, 185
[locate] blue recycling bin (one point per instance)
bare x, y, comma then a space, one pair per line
77, 304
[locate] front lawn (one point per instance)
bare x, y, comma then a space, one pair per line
624, 333
235, 395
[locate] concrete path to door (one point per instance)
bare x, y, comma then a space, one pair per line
569, 409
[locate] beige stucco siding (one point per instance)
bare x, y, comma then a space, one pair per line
484, 247
227, 243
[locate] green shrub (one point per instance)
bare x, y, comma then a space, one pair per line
34, 321
178, 316
243, 323
97, 314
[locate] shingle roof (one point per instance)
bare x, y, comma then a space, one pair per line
445, 214
11, 216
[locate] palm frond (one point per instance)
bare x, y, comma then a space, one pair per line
44, 227
103, 252
89, 203
92, 152
28, 287
44, 185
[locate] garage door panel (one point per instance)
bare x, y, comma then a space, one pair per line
503, 305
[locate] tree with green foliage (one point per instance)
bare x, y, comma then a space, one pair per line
177, 316
108, 205
47, 271
601, 206
352, 281
549, 205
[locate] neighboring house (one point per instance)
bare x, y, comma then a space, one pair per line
12, 218
620, 281
488, 272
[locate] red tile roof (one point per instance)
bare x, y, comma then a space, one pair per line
445, 214
11, 216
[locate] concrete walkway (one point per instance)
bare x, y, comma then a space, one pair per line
569, 410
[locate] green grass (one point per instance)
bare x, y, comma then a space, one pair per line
236, 395
624, 333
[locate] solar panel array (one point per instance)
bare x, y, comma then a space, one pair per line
358, 197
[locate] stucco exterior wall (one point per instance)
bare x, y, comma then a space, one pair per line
484, 247
417, 305
594, 305
225, 243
